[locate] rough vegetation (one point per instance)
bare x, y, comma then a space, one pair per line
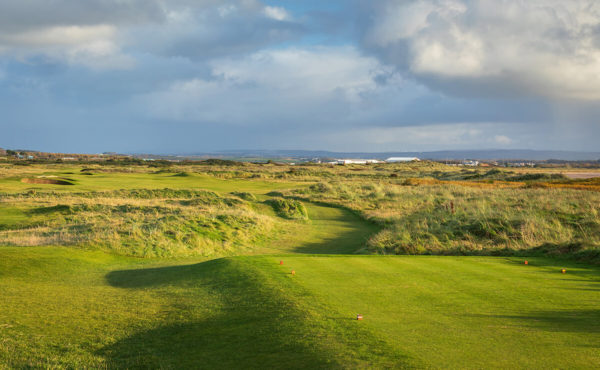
289, 208
456, 219
422, 208
140, 222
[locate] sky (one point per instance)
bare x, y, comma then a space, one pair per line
195, 76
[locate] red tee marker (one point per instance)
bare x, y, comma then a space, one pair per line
281, 262
527, 262
359, 317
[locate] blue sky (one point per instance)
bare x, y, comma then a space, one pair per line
186, 76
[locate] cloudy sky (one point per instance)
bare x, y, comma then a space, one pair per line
183, 76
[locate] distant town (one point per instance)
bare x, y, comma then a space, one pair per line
300, 158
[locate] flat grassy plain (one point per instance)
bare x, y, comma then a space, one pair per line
151, 268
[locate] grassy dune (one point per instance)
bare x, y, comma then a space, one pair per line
456, 220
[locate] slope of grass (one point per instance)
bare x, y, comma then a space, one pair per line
65, 308
62, 308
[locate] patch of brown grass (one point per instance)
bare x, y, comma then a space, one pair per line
46, 181
425, 181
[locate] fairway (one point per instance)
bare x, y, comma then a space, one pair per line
466, 312
71, 308
90, 181
331, 230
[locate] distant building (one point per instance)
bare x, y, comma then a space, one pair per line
470, 163
401, 159
357, 161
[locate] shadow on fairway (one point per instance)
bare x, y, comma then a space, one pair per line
224, 341
572, 321
230, 313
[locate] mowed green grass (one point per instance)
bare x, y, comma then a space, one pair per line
114, 180
466, 312
68, 308
330, 230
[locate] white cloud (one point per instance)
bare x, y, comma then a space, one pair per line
503, 139
277, 13
542, 47
59, 35
225, 10
298, 71
92, 46
107, 33
283, 86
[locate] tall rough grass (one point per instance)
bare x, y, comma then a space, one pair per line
455, 219
148, 223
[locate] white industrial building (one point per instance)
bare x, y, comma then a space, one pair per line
357, 161
401, 159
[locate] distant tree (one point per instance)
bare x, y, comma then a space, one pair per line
11, 152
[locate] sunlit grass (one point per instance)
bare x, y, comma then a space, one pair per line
65, 308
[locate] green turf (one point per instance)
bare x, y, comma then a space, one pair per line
12, 216
332, 230
108, 181
66, 308
466, 312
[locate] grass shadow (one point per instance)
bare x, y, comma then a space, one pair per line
571, 321
231, 313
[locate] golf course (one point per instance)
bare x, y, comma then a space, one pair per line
208, 269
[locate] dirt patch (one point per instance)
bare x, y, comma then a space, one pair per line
47, 181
